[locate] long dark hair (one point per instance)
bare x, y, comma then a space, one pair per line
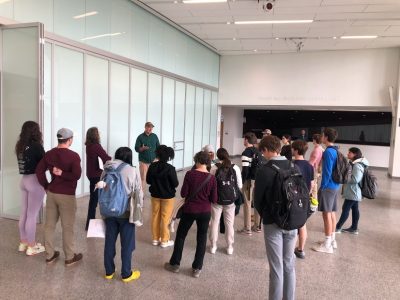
357, 153
124, 154
165, 153
223, 156
30, 133
92, 136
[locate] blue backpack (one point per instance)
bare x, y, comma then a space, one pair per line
113, 198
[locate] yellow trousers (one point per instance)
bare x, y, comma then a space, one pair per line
161, 215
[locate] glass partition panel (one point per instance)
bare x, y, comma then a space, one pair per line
47, 125
154, 102
214, 119
198, 120
119, 107
179, 127
189, 125
138, 107
19, 103
206, 117
64, 22
68, 94
167, 132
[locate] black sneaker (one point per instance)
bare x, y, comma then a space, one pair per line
74, 260
53, 258
299, 253
349, 230
171, 268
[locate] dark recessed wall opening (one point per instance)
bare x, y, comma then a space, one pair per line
358, 127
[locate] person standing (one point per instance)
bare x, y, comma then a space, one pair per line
352, 191
64, 166
29, 151
279, 243
94, 152
286, 150
328, 192
303, 135
315, 161
146, 145
163, 182
299, 148
199, 190
123, 225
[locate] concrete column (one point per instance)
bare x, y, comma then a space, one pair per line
394, 161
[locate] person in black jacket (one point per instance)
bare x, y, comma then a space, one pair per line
163, 182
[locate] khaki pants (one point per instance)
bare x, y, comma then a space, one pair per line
229, 218
248, 192
317, 182
64, 207
143, 167
161, 215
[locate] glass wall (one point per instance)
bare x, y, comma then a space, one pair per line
123, 28
84, 90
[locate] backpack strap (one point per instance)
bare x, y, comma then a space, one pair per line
120, 167
199, 188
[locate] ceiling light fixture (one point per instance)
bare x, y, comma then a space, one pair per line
277, 38
4, 1
203, 1
358, 37
255, 50
334, 37
175, 2
273, 22
92, 13
234, 39
101, 35
228, 23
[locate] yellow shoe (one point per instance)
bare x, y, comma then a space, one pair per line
109, 277
135, 275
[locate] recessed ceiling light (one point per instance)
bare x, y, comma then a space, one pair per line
4, 1
255, 50
92, 13
274, 22
277, 38
101, 35
334, 37
359, 37
234, 39
175, 2
203, 1
228, 23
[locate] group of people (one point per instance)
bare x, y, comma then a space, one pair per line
205, 190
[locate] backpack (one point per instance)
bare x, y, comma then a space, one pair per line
342, 170
368, 184
113, 198
226, 185
289, 205
256, 162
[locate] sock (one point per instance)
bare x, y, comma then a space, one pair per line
333, 236
328, 241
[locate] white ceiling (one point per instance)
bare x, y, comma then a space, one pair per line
332, 18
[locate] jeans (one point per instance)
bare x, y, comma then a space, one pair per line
202, 221
280, 244
347, 205
114, 226
94, 196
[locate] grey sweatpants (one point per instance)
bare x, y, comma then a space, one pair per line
280, 245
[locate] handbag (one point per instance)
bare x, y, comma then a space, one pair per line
180, 210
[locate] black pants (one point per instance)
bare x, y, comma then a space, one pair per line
202, 221
355, 214
92, 201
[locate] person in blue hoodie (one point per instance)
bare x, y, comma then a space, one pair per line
352, 192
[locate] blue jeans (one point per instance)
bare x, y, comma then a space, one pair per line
114, 226
280, 244
355, 214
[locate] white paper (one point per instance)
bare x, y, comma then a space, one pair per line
97, 229
101, 165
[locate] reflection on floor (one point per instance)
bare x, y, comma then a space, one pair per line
363, 267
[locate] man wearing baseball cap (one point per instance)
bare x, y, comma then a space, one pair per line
266, 132
146, 145
64, 166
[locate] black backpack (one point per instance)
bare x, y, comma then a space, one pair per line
368, 184
226, 185
256, 162
289, 205
341, 172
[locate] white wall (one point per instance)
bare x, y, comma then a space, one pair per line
330, 78
233, 128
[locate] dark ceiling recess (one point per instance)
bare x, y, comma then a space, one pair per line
280, 121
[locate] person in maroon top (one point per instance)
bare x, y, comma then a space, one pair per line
199, 190
64, 166
94, 152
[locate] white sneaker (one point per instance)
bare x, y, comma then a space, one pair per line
22, 247
213, 249
229, 250
155, 242
38, 248
334, 244
323, 248
171, 226
167, 244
